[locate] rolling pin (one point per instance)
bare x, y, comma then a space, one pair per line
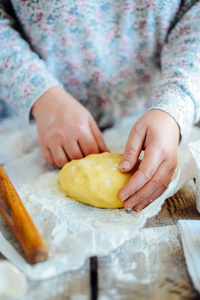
19, 221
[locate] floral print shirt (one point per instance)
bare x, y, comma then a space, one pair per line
115, 57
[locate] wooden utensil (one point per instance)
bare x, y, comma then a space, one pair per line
19, 221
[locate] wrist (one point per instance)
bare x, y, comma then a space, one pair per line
47, 96
167, 116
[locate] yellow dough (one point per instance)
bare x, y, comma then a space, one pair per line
95, 179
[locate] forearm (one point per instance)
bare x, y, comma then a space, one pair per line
177, 93
23, 75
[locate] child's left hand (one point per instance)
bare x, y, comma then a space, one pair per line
158, 134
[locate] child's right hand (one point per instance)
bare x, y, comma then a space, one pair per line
66, 129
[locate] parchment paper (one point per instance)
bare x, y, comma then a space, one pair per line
190, 236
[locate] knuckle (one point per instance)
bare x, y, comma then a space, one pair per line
54, 135
147, 173
137, 200
140, 200
159, 183
130, 152
60, 134
156, 182
81, 128
136, 130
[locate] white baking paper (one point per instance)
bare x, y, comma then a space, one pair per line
73, 231
195, 151
190, 236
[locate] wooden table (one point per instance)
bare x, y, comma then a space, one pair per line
149, 266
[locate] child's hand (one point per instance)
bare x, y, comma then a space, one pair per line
66, 130
157, 133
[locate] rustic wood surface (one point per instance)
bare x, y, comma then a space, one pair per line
158, 273
149, 266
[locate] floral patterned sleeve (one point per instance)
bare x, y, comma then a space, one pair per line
20, 70
178, 90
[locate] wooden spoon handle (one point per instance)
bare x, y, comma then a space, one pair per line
19, 221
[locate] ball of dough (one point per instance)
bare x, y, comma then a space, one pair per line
95, 180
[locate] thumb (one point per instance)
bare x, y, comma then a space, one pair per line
132, 151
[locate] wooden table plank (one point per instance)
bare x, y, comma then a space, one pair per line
155, 268
180, 206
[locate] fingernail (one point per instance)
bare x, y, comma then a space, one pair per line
124, 165
130, 208
137, 210
124, 197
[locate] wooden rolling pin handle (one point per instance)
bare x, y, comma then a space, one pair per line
19, 221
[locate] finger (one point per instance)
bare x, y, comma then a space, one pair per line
149, 165
138, 202
87, 142
133, 148
48, 157
142, 205
73, 151
98, 137
149, 200
153, 189
88, 146
59, 156
153, 197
